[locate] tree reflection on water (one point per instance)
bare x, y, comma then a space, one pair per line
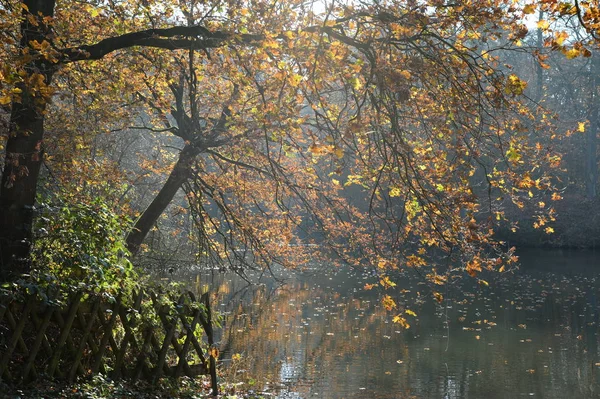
534, 333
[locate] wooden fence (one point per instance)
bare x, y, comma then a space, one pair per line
145, 335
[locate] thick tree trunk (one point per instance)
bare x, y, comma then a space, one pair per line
180, 173
24, 153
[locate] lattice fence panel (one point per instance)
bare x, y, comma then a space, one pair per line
143, 335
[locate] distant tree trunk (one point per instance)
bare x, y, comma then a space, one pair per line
179, 175
591, 181
24, 149
539, 70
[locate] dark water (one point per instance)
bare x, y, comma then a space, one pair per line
534, 333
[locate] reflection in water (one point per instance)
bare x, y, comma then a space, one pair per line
532, 333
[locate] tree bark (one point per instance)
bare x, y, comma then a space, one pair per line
539, 71
591, 181
180, 173
24, 149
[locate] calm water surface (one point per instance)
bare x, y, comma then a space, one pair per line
534, 333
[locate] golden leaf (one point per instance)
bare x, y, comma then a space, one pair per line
543, 24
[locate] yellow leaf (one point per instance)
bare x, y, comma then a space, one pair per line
410, 313
549, 230
529, 9
5, 100
339, 153
514, 85
581, 127
402, 321
388, 303
513, 154
386, 282
93, 11
572, 53
295, 80
356, 83
543, 24
560, 37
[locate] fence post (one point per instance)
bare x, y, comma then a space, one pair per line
214, 353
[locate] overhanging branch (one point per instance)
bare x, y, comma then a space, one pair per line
179, 37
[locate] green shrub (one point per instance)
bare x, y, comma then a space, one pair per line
82, 246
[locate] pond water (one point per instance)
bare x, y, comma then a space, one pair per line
532, 333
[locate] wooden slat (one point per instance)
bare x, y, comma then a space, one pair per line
210, 338
41, 335
128, 335
176, 346
13, 324
188, 340
38, 323
70, 343
16, 336
198, 348
3, 307
157, 350
143, 353
165, 346
66, 329
83, 322
108, 331
86, 332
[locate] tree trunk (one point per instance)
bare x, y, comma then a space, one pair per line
24, 149
180, 173
591, 181
539, 71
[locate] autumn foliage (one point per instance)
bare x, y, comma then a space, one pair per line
390, 134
